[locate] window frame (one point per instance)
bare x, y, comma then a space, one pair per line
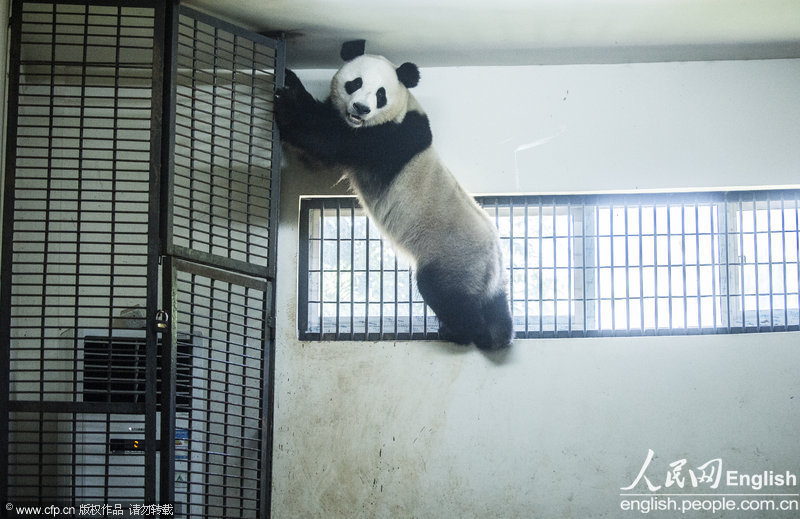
586, 301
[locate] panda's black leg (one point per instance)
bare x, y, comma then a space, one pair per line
460, 316
499, 329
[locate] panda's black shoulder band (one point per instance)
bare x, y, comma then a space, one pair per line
378, 154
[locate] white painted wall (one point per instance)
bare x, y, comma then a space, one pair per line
554, 428
655, 126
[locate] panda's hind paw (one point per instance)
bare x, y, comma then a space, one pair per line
446, 334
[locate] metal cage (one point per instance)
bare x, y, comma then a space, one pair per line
138, 261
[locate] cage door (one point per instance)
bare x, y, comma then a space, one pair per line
221, 453
224, 175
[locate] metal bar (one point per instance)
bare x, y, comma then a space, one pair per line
584, 262
769, 263
755, 262
715, 263
225, 378
642, 325
367, 245
725, 232
231, 143
268, 405
612, 268
741, 262
303, 271
627, 272
510, 260
352, 269
46, 233
382, 301
669, 266
525, 267
797, 248
321, 268
183, 306
410, 303
541, 288
6, 256
783, 263
65, 406
168, 117
570, 266
204, 258
169, 336
597, 277
396, 294
107, 463
275, 165
655, 268
555, 267
684, 297
699, 261
82, 188
338, 264
153, 250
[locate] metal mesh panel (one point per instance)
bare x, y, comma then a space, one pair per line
761, 257
78, 232
65, 458
90, 133
223, 150
218, 465
81, 177
591, 265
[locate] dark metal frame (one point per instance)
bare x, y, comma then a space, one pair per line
185, 259
585, 242
7, 405
163, 262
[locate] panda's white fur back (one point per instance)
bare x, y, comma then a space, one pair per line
429, 217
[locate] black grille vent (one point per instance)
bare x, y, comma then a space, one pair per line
114, 370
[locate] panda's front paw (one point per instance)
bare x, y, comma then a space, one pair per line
291, 81
293, 90
287, 110
291, 101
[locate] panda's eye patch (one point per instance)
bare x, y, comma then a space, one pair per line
381, 96
352, 86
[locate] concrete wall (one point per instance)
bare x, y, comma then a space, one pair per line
553, 428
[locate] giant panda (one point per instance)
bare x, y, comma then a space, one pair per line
375, 133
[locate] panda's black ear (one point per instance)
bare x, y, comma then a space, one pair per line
352, 49
408, 74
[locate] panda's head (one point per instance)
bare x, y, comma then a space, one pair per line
369, 90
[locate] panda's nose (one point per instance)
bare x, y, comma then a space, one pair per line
361, 109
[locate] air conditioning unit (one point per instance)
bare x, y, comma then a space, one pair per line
109, 448
114, 367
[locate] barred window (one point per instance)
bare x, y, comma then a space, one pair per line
643, 264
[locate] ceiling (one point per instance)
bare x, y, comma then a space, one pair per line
523, 32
